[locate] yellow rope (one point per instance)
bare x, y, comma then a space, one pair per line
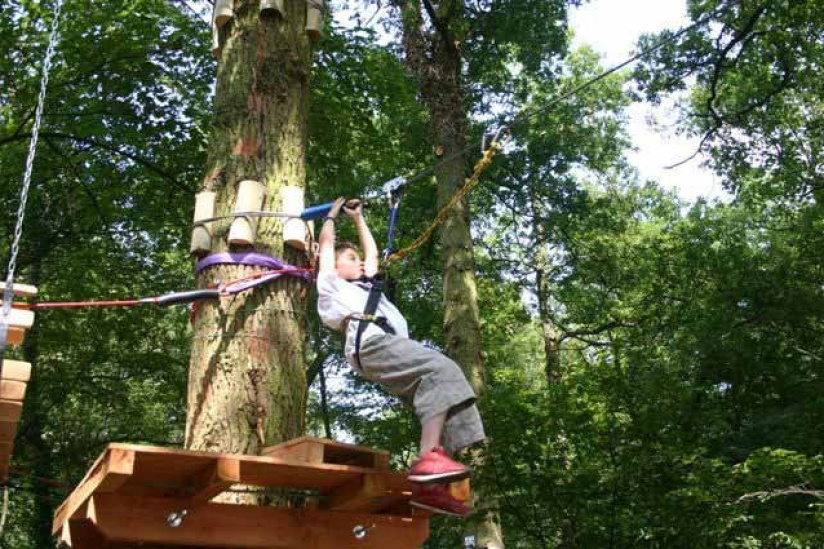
480, 166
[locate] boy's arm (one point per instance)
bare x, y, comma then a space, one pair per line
326, 240
354, 209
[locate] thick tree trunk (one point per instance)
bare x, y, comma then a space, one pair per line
247, 371
438, 72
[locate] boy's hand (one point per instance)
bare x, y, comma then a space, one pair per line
353, 208
336, 206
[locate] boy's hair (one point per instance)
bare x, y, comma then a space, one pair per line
343, 246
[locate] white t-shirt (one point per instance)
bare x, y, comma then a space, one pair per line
338, 298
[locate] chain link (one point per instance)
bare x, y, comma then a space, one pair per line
8, 293
470, 183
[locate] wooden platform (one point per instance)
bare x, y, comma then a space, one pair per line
15, 376
129, 492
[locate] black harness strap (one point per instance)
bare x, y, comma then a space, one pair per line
368, 315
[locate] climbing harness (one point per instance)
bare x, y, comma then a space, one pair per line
8, 293
369, 316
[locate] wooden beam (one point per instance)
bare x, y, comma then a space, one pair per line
16, 336
215, 479
324, 450
16, 370
132, 519
10, 410
12, 390
8, 430
80, 532
110, 472
20, 290
20, 318
303, 449
175, 468
370, 493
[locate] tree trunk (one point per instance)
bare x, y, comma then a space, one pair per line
247, 379
543, 287
438, 72
552, 351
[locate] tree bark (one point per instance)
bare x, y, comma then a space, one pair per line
543, 287
433, 58
247, 381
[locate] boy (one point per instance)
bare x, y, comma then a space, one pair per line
436, 387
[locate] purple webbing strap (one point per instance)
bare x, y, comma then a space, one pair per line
249, 258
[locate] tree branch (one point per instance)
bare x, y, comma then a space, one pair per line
800, 490
151, 166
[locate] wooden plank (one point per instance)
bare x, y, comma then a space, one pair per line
20, 318
307, 449
81, 532
10, 410
191, 477
8, 430
215, 479
6, 448
21, 290
370, 493
110, 472
15, 336
16, 370
175, 468
12, 390
359, 494
159, 471
130, 519
4, 466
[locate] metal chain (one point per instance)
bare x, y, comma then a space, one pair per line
470, 183
8, 293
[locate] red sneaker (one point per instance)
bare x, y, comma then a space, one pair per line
436, 498
436, 466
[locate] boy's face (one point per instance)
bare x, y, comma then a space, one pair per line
348, 264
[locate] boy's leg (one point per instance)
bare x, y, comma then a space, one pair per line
463, 427
432, 433
437, 388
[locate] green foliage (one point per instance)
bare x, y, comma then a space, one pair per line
688, 413
757, 99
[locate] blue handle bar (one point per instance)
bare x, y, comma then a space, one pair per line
314, 212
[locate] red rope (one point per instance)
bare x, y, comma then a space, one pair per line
134, 302
79, 304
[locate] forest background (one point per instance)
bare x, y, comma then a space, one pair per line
653, 367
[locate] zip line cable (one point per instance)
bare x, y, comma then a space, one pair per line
393, 187
8, 293
524, 116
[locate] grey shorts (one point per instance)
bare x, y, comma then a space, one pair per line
427, 380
